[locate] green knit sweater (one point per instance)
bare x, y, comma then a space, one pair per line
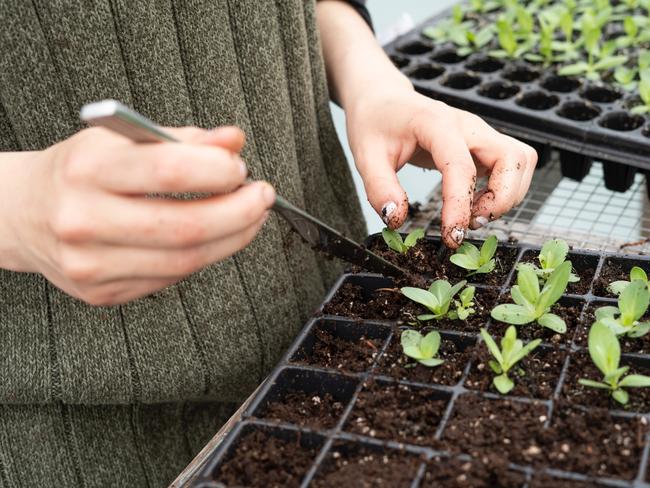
125, 396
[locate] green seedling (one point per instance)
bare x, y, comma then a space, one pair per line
605, 352
636, 31
552, 254
511, 47
470, 258
484, 6
393, 239
423, 349
627, 77
512, 351
636, 273
437, 299
464, 306
632, 305
644, 93
449, 29
470, 41
531, 304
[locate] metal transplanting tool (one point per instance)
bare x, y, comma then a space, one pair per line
125, 121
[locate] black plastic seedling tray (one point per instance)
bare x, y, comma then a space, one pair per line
584, 120
379, 418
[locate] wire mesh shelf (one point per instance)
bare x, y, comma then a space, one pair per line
586, 214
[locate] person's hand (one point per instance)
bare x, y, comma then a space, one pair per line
83, 215
391, 125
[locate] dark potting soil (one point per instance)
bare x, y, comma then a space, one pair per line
334, 352
306, 410
535, 376
615, 270
528, 332
639, 345
480, 426
488, 472
542, 481
390, 304
583, 266
260, 460
363, 467
395, 364
593, 442
581, 366
421, 259
505, 259
397, 412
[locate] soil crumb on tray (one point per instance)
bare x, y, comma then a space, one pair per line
360, 466
488, 472
306, 410
259, 459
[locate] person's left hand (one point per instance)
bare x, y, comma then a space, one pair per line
391, 125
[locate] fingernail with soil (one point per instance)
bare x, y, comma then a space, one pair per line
458, 235
478, 222
387, 210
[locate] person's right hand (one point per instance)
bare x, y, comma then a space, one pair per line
80, 215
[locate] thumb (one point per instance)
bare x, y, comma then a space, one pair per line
383, 189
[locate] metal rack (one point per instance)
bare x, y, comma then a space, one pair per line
585, 214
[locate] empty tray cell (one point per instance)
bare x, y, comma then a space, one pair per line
618, 177
398, 412
345, 346
506, 426
621, 121
447, 56
521, 73
484, 64
424, 72
617, 269
365, 465
258, 458
306, 398
537, 100
400, 61
569, 309
498, 90
560, 84
461, 81
455, 350
414, 48
535, 376
593, 442
584, 267
578, 110
601, 93
575, 166
454, 472
582, 367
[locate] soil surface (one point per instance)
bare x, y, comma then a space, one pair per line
397, 412
420, 259
535, 376
389, 304
259, 459
583, 266
593, 442
581, 366
334, 352
480, 427
542, 481
366, 468
528, 332
639, 345
395, 364
306, 410
615, 269
490, 472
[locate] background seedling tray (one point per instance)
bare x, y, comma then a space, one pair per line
584, 120
356, 442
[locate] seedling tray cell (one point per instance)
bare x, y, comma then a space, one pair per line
344, 406
583, 119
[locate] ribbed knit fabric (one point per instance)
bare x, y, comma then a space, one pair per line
124, 396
